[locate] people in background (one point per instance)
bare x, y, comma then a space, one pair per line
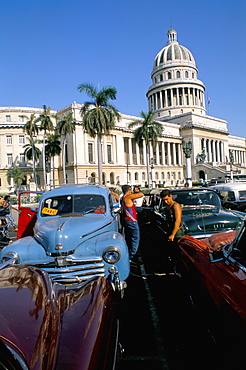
8, 206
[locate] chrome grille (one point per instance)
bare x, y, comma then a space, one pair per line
67, 270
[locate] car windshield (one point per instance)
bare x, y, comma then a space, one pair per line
196, 198
73, 204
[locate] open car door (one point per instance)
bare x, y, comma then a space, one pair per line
28, 202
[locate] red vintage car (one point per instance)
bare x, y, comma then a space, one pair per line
45, 325
214, 270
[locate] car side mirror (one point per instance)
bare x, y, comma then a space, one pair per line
33, 209
216, 256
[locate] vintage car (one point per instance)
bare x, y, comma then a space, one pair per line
46, 325
203, 214
75, 237
233, 195
214, 269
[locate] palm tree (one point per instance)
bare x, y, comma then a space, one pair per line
52, 148
148, 130
46, 124
99, 115
31, 129
66, 126
17, 175
31, 151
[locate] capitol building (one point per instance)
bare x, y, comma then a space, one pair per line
177, 98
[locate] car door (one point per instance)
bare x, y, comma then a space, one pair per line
28, 202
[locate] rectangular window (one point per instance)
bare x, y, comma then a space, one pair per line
126, 150
90, 152
109, 153
21, 118
21, 139
141, 154
8, 140
134, 152
9, 159
22, 158
8, 118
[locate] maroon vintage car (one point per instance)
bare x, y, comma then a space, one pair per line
45, 325
214, 270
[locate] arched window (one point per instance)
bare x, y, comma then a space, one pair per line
157, 176
92, 177
169, 75
177, 74
143, 175
186, 74
136, 176
161, 78
162, 176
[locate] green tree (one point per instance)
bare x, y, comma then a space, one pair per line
148, 130
99, 115
65, 127
46, 124
17, 175
31, 128
31, 151
52, 148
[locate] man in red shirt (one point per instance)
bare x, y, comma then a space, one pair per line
129, 217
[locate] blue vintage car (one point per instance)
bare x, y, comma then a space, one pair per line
75, 237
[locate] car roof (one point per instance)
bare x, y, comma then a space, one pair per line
230, 186
191, 189
77, 189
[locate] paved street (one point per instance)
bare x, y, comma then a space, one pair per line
160, 328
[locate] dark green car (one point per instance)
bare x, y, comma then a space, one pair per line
203, 214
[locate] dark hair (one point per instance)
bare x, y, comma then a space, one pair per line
165, 193
6, 197
125, 188
136, 186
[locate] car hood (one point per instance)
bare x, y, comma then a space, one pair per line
66, 233
210, 221
46, 322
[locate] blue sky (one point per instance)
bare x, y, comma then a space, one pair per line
48, 47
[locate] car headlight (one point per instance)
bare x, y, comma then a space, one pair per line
11, 256
111, 255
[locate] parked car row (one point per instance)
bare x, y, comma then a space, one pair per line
70, 261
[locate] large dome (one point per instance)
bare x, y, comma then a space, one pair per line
174, 53
175, 86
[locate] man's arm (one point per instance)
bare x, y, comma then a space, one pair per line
128, 198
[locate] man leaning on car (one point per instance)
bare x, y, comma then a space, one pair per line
174, 226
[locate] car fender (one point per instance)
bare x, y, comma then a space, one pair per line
27, 248
100, 243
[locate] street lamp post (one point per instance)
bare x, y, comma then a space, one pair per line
152, 172
34, 164
187, 149
231, 156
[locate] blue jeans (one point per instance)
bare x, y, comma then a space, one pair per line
132, 235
